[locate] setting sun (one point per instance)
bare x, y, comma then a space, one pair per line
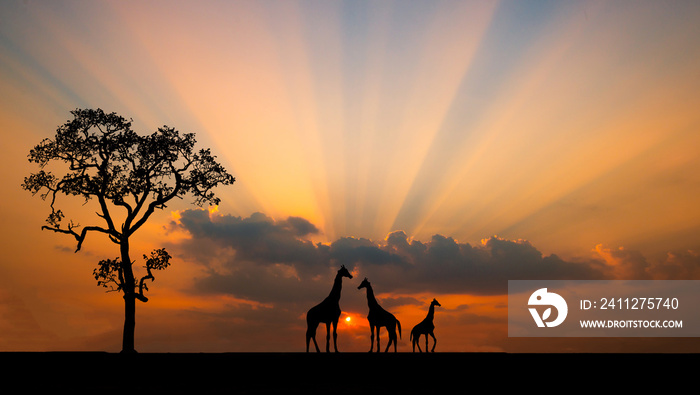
351, 320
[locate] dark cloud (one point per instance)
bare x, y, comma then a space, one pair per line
258, 239
445, 265
679, 265
350, 251
269, 260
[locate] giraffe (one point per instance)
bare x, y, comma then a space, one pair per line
426, 328
378, 317
327, 312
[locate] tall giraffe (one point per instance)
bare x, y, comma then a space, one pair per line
327, 312
378, 317
426, 328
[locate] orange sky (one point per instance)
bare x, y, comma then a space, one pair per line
570, 130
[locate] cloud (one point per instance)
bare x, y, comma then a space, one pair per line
630, 264
258, 238
627, 264
445, 265
267, 260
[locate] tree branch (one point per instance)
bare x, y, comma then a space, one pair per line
81, 237
105, 213
158, 202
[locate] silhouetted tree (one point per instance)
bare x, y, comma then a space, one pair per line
130, 176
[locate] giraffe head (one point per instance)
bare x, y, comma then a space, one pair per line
364, 284
434, 303
343, 272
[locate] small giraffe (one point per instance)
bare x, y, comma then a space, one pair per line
327, 312
378, 317
426, 328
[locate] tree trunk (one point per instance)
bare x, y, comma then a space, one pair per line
129, 323
129, 299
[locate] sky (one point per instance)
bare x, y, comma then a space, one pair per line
438, 148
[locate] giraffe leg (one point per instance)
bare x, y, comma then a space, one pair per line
316, 344
391, 333
378, 328
426, 342
434, 341
328, 337
371, 337
335, 335
311, 335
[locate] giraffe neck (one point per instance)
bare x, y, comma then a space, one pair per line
431, 312
371, 300
337, 287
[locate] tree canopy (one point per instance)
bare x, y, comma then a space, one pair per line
109, 162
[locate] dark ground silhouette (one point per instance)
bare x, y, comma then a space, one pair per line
338, 373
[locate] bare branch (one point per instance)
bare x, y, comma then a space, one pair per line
80, 237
